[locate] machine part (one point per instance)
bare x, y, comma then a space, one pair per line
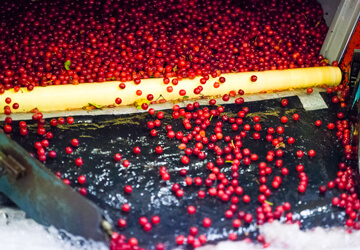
44, 197
354, 78
341, 29
82, 96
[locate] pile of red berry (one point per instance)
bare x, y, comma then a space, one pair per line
69, 42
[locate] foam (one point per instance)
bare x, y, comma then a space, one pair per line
19, 232
282, 236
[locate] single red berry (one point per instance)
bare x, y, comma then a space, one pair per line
331, 126
126, 163
128, 189
155, 219
301, 188
180, 240
206, 222
118, 100
158, 150
121, 223
311, 153
291, 140
78, 162
246, 198
75, 142
191, 210
299, 153
284, 119
70, 120
309, 90
133, 242
296, 117
117, 157
83, 191
137, 150
125, 208
322, 189
284, 102
253, 78
81, 179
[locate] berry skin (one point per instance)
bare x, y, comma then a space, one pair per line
253, 78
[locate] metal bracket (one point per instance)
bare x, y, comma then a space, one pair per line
9, 165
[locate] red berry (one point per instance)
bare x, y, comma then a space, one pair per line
301, 188
236, 223
296, 117
291, 140
117, 157
137, 150
81, 179
253, 78
75, 142
191, 210
309, 90
78, 162
128, 189
121, 223
284, 102
70, 120
158, 150
311, 153
246, 198
206, 222
331, 126
126, 163
125, 207
180, 240
155, 219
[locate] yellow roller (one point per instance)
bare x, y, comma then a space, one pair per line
65, 97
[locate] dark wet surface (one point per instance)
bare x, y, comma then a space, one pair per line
102, 136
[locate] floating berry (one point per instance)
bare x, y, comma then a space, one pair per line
311, 153
81, 179
191, 210
126, 163
117, 157
253, 78
121, 223
284, 102
155, 219
75, 142
296, 117
78, 162
206, 222
125, 208
70, 120
137, 150
128, 189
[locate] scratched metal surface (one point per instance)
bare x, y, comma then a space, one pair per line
102, 136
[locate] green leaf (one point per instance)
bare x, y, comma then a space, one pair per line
67, 64
270, 203
95, 105
185, 96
